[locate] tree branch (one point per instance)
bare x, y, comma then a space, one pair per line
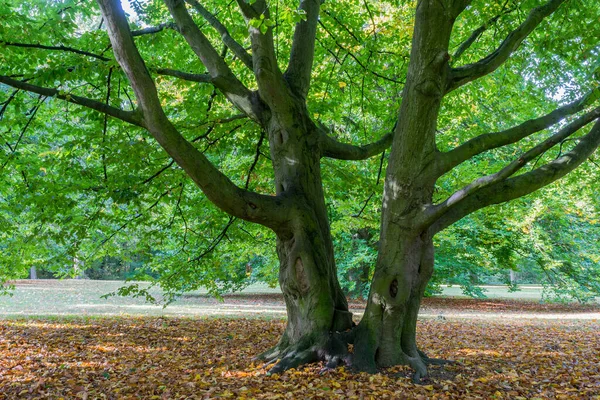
272, 87
303, 48
333, 149
154, 29
490, 141
461, 75
221, 75
56, 48
521, 185
230, 42
127, 116
201, 78
266, 210
464, 46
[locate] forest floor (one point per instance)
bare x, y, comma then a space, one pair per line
503, 349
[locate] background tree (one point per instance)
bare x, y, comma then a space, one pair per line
291, 86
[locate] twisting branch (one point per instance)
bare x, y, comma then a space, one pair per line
127, 116
490, 141
226, 38
467, 73
501, 190
464, 46
266, 210
222, 76
303, 48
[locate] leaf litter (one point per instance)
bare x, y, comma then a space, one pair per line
184, 358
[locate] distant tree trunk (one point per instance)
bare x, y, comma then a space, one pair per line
32, 273
77, 268
513, 277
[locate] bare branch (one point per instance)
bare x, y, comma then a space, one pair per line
467, 73
230, 42
266, 210
222, 77
303, 48
127, 116
490, 141
507, 189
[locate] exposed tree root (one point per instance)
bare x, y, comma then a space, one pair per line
327, 348
434, 361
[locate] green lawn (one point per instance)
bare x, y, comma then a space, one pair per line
83, 297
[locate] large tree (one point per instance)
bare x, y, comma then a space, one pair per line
270, 82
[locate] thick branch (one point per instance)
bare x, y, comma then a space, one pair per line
127, 116
467, 73
333, 149
230, 42
222, 77
521, 185
490, 141
272, 87
267, 210
303, 48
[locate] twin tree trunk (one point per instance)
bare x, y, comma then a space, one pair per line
316, 307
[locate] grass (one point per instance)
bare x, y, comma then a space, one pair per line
84, 298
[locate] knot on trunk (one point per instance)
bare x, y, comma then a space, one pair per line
394, 288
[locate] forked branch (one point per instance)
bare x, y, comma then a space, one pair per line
461, 75
464, 46
222, 76
228, 41
266, 210
502, 190
493, 140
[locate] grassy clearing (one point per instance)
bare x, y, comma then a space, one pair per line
83, 297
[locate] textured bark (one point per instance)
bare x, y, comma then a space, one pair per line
316, 305
386, 334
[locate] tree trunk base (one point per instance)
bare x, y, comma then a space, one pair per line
311, 348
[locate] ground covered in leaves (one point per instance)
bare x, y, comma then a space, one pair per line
170, 358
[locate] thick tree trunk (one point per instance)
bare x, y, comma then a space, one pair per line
316, 305
32, 273
386, 334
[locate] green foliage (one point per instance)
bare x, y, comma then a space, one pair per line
74, 184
